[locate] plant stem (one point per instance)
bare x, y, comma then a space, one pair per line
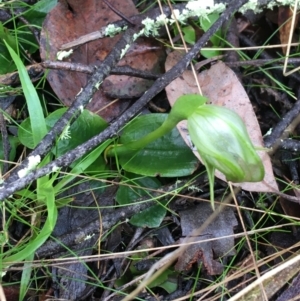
182, 109
132, 147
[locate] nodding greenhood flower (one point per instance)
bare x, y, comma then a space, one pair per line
223, 143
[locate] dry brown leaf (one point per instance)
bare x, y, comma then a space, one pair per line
285, 14
221, 86
69, 21
207, 251
147, 55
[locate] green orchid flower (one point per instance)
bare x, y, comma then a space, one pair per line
223, 143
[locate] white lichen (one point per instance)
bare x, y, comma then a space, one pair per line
33, 162
161, 19
218, 8
111, 30
251, 4
66, 134
97, 86
123, 52
63, 54
268, 133
88, 237
137, 35
195, 5
55, 168
195, 8
180, 17
151, 27
271, 4
194, 188
81, 108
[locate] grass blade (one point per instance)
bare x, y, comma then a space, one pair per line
37, 118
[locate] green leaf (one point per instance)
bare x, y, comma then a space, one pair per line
170, 285
25, 134
84, 127
166, 280
210, 53
5, 35
127, 195
37, 120
6, 65
151, 217
205, 24
26, 276
167, 156
189, 34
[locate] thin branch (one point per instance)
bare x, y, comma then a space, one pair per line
118, 13
118, 70
279, 132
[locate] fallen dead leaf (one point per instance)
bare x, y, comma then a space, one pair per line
221, 86
145, 54
11, 292
285, 14
207, 252
75, 18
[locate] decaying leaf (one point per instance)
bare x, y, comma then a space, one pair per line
285, 14
146, 54
207, 252
69, 21
221, 86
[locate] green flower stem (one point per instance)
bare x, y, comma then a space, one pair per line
181, 110
132, 147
